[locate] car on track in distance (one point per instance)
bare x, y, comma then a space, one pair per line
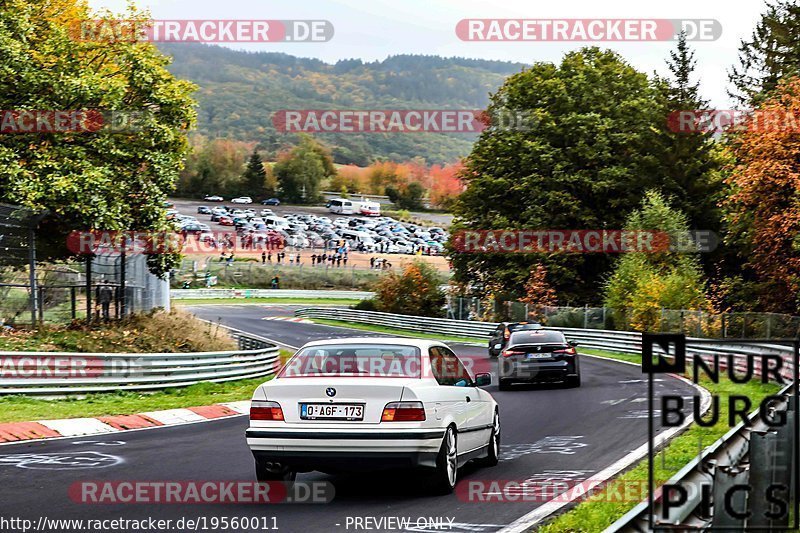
499, 336
242, 200
344, 405
213, 198
204, 210
537, 356
271, 201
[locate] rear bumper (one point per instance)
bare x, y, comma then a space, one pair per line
353, 450
534, 371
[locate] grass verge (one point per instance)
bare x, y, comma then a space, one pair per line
239, 301
156, 332
25, 408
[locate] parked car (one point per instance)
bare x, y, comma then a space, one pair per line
395, 402
271, 201
501, 334
204, 210
225, 221
213, 198
267, 213
242, 200
535, 356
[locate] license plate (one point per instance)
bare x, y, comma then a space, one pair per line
538, 356
331, 411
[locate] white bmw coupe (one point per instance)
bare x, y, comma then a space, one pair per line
373, 403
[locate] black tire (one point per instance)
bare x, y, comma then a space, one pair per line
493, 456
574, 382
267, 472
443, 478
504, 384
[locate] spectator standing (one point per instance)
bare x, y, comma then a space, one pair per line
104, 296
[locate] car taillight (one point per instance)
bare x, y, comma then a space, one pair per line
509, 353
566, 351
265, 411
403, 412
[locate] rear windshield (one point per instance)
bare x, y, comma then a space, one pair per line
537, 337
523, 327
355, 360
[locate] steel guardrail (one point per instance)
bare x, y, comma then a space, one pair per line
55, 373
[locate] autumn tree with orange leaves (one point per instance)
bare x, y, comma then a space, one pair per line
763, 209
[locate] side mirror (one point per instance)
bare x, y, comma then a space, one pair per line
498, 346
483, 379
572, 343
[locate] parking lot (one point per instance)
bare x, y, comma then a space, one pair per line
369, 242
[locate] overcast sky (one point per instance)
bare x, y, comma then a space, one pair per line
375, 29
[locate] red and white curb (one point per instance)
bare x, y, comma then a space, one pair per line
288, 319
12, 432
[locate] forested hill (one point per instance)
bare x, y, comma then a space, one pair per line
239, 91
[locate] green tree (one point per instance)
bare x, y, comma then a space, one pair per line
108, 179
643, 283
406, 197
771, 53
590, 150
300, 171
691, 161
254, 179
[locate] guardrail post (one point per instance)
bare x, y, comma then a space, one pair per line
725, 478
763, 466
785, 454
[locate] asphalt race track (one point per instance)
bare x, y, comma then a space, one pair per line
547, 432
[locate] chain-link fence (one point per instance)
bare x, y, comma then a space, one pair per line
694, 323
31, 292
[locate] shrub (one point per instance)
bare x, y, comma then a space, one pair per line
413, 292
366, 305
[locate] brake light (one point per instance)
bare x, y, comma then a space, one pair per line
509, 353
566, 351
403, 412
265, 411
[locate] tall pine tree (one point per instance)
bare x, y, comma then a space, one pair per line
772, 52
690, 160
254, 179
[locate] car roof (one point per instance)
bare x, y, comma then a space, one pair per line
422, 344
